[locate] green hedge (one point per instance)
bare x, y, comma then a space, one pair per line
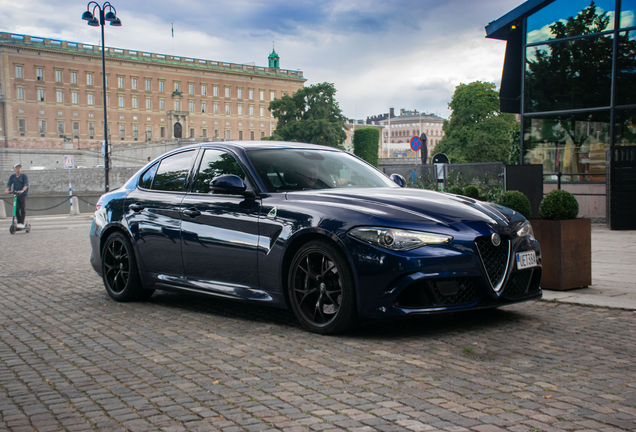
516, 201
366, 144
559, 205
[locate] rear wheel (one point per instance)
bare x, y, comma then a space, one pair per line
321, 288
119, 270
12, 229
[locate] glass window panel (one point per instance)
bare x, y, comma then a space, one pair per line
628, 13
572, 144
625, 127
173, 171
213, 164
568, 18
146, 179
626, 69
569, 75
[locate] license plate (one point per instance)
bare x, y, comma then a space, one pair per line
526, 259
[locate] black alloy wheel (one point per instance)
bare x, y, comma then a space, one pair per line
321, 288
119, 270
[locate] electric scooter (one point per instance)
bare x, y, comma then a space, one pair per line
14, 225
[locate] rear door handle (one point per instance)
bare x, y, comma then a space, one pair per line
136, 207
192, 212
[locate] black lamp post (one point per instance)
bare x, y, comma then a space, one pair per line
104, 16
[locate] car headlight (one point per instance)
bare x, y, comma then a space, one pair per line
397, 239
526, 230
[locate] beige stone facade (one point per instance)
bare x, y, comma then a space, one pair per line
398, 132
51, 95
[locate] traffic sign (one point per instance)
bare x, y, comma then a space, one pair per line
416, 143
68, 162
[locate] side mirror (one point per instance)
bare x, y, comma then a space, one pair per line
397, 178
228, 184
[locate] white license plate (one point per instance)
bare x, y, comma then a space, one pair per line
526, 259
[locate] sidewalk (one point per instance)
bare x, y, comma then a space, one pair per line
613, 272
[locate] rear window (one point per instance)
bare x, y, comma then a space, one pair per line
173, 172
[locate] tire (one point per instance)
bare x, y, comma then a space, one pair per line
12, 229
321, 289
119, 270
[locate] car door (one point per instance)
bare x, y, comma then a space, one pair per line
220, 231
154, 214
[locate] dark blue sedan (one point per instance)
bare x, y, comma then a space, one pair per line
309, 228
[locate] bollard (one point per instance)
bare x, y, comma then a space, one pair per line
75, 206
70, 196
3, 212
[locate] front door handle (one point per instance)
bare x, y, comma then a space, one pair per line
192, 212
136, 207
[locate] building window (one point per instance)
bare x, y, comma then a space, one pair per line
134, 102
42, 126
204, 90
58, 76
215, 108
215, 91
135, 131
227, 92
41, 95
121, 101
22, 125
272, 95
240, 136
177, 105
240, 110
227, 134
74, 98
216, 133
122, 130
240, 93
163, 132
75, 128
252, 135
148, 132
251, 111
204, 132
91, 129
148, 103
89, 79
20, 93
251, 94
134, 83
120, 82
106, 80
60, 127
191, 132
262, 112
227, 109
204, 107
262, 94
161, 86
262, 134
191, 107
191, 88
176, 86
39, 73
18, 71
107, 100
162, 104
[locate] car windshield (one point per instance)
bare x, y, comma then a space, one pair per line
304, 169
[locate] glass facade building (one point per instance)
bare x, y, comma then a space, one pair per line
570, 72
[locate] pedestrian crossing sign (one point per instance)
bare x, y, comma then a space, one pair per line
68, 162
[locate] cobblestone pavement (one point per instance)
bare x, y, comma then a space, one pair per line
72, 359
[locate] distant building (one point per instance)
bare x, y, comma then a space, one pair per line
51, 92
352, 125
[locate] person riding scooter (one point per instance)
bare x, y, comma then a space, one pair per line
20, 183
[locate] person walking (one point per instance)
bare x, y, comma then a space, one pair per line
20, 183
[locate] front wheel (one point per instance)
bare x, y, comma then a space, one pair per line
12, 229
321, 288
119, 269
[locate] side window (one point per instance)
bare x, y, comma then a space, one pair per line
173, 172
146, 179
213, 164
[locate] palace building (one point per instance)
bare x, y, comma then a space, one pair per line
51, 93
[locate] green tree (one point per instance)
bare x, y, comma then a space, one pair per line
310, 115
365, 144
477, 131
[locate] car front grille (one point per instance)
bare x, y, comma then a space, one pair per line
495, 259
444, 292
468, 292
522, 282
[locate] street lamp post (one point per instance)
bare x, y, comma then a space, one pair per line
110, 16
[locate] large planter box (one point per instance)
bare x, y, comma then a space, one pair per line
566, 252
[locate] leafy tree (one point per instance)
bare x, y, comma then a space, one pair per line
365, 144
477, 131
310, 115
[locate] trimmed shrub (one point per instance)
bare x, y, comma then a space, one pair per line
366, 143
516, 201
455, 190
559, 205
472, 191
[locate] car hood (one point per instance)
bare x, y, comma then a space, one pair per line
412, 205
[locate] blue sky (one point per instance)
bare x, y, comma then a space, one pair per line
403, 54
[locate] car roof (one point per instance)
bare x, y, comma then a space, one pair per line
262, 145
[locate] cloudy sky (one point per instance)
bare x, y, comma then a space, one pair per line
398, 53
